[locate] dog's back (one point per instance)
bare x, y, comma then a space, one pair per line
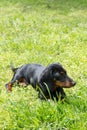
32, 72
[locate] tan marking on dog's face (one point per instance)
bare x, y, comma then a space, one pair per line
65, 84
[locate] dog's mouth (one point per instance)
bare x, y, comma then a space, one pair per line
66, 84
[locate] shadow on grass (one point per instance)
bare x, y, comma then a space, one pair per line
62, 6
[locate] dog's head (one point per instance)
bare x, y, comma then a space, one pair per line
57, 75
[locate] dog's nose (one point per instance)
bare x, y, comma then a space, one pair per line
73, 83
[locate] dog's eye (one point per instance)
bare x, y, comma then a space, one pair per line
62, 73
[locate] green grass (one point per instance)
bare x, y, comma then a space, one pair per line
43, 32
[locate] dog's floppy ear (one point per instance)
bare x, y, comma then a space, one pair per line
45, 74
49, 71
47, 77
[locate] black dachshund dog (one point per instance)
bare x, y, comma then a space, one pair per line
49, 81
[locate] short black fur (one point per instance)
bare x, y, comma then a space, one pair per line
50, 80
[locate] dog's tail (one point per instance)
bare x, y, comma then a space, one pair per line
12, 67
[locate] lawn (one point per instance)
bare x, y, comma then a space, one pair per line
43, 32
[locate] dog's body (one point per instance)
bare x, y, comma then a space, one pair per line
50, 80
